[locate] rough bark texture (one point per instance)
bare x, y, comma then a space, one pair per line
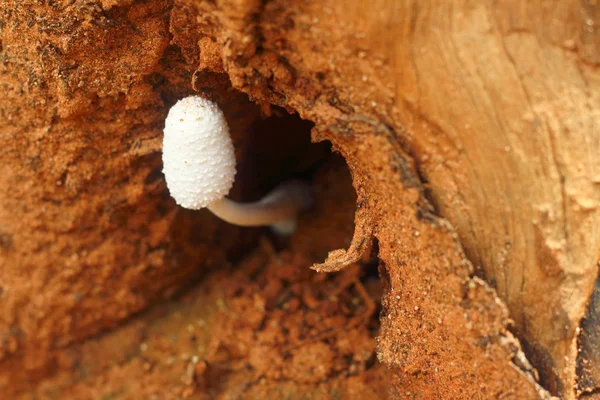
588, 362
482, 114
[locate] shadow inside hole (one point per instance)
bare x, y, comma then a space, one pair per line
276, 149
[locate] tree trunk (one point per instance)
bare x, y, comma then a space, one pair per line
469, 128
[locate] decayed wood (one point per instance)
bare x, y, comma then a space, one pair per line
498, 103
487, 110
501, 104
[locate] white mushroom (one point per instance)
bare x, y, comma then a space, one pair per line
199, 167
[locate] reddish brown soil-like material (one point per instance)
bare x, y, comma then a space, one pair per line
266, 328
279, 331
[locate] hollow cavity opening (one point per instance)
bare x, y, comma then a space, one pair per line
287, 322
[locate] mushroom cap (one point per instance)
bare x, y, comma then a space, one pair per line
198, 156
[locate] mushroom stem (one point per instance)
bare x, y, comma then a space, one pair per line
278, 208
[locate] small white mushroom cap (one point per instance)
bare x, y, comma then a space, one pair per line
198, 156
